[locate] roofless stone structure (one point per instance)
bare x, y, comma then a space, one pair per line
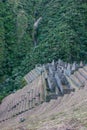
44, 82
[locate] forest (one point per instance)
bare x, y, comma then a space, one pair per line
61, 34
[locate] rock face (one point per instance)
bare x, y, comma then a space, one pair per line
56, 80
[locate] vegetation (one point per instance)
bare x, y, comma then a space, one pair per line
62, 33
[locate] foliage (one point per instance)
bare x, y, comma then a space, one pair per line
62, 33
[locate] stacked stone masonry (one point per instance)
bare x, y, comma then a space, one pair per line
44, 83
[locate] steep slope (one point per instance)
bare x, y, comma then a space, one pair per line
62, 33
29, 109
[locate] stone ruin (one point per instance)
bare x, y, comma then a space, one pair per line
44, 82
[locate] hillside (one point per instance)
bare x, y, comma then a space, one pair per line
53, 99
62, 33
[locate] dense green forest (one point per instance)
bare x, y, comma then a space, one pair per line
62, 33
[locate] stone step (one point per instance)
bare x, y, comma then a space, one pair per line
76, 81
85, 68
83, 73
80, 77
38, 71
35, 74
30, 76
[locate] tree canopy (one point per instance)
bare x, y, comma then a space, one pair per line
62, 33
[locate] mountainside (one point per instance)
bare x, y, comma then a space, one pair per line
65, 113
55, 98
62, 33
